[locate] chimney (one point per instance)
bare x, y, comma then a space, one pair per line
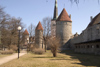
91, 18
70, 16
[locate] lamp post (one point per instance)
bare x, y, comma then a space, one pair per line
19, 28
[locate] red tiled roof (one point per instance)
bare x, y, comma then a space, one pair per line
26, 32
64, 16
39, 26
94, 20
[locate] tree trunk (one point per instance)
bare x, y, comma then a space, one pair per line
2, 47
9, 47
45, 46
54, 54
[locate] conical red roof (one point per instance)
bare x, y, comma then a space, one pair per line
64, 16
26, 32
39, 26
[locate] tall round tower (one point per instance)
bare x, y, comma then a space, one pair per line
64, 27
26, 37
39, 35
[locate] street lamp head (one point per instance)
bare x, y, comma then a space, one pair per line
19, 28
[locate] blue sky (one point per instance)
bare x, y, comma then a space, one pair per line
33, 11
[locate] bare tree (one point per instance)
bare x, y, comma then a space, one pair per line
77, 1
54, 44
31, 30
2, 13
9, 32
3, 26
13, 24
47, 30
8, 29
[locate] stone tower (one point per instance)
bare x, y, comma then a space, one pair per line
53, 21
64, 27
39, 36
26, 37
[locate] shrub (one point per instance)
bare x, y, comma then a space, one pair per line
32, 47
7, 52
14, 47
0, 48
38, 51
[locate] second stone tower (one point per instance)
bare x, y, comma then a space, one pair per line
39, 36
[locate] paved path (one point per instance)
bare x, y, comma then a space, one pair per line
9, 58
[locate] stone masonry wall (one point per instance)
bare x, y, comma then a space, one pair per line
64, 31
53, 28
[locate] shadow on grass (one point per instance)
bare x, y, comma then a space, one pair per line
42, 57
85, 59
47, 57
60, 59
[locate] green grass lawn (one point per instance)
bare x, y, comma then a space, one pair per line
64, 59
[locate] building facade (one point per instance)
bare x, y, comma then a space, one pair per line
89, 40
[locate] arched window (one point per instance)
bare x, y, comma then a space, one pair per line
88, 46
97, 46
91, 46
83, 46
76, 46
79, 46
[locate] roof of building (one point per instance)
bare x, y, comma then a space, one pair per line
92, 41
39, 26
64, 16
95, 20
26, 32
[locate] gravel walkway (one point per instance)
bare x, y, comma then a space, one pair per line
9, 58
